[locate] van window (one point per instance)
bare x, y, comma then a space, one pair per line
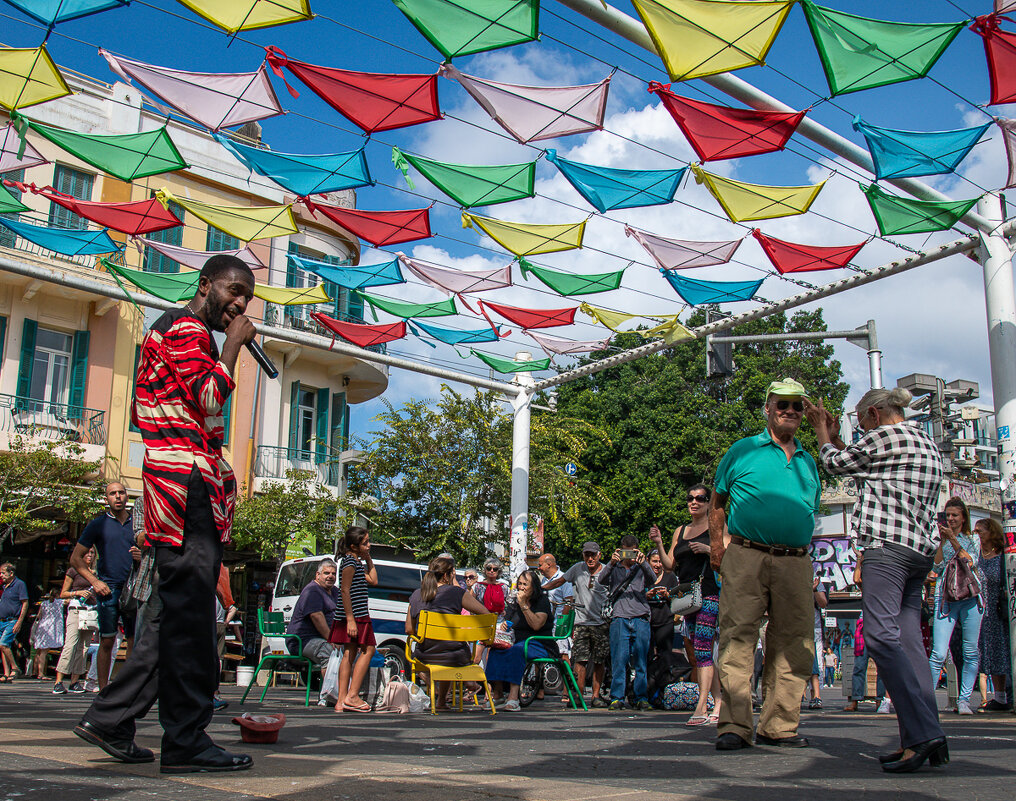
395, 583
293, 578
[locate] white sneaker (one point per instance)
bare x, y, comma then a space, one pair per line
886, 707
963, 708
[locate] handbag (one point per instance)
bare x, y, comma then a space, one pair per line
88, 619
503, 639
960, 582
608, 605
688, 596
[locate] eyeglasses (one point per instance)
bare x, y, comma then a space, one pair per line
699, 498
491, 567
783, 405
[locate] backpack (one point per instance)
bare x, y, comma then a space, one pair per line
960, 581
396, 697
493, 598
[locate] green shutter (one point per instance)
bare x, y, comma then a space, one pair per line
220, 240
339, 435
155, 262
134, 384
3, 337
78, 185
79, 372
321, 426
27, 357
227, 411
294, 405
355, 309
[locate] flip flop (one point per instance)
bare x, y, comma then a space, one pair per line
697, 720
714, 719
351, 708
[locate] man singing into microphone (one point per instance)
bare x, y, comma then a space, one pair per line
182, 385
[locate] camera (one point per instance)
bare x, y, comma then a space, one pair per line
627, 553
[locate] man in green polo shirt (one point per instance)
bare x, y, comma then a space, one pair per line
773, 489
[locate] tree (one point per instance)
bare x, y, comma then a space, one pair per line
441, 473
669, 426
44, 483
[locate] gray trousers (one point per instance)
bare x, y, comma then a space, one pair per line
891, 580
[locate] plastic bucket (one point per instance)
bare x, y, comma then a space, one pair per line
244, 674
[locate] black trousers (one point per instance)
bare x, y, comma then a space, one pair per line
174, 658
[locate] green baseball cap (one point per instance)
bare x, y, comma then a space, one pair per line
788, 388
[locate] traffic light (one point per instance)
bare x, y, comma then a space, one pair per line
719, 358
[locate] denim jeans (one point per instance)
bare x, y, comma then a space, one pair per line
859, 679
629, 643
968, 615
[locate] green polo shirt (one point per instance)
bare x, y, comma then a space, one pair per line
773, 500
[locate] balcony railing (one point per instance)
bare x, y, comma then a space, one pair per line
11, 241
274, 462
36, 418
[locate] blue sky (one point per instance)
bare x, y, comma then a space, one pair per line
930, 320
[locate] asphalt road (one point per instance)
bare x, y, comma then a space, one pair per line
540, 753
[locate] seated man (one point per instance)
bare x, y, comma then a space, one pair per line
312, 615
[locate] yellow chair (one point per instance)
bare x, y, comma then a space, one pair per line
451, 628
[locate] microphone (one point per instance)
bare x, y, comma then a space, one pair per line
262, 359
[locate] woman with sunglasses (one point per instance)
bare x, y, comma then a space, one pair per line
688, 557
491, 591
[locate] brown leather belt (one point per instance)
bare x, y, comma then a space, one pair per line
773, 550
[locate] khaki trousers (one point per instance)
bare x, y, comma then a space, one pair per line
72, 657
755, 584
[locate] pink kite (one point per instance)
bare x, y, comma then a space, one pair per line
567, 347
720, 132
1000, 48
361, 335
379, 228
530, 318
682, 254
374, 101
195, 259
532, 113
137, 217
788, 257
1009, 138
456, 282
214, 99
10, 144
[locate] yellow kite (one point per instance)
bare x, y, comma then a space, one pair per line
292, 296
245, 15
528, 239
744, 201
28, 76
703, 37
246, 223
670, 330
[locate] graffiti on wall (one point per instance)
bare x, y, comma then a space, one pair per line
834, 559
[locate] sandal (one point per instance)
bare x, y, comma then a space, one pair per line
353, 708
697, 720
714, 719
6, 679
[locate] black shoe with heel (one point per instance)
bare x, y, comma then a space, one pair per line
935, 752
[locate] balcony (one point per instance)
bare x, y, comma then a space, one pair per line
273, 464
36, 419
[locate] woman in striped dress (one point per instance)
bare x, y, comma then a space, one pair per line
352, 627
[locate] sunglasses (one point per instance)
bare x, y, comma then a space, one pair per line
699, 498
783, 405
470, 578
492, 568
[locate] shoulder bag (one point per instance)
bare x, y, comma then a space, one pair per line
687, 598
608, 605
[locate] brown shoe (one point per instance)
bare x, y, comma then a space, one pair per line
850, 707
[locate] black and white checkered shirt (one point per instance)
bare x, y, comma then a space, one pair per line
898, 469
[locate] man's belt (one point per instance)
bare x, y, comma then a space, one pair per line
772, 550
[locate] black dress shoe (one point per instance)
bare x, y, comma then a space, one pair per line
212, 759
121, 749
731, 742
797, 741
893, 757
934, 751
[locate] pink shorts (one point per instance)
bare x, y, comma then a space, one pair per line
364, 633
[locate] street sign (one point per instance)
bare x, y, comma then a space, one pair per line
570, 469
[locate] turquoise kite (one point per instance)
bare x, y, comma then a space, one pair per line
695, 292
303, 174
451, 337
68, 241
51, 12
907, 154
352, 276
612, 188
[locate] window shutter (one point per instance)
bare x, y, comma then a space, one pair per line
227, 410
79, 372
290, 267
220, 240
134, 390
321, 426
294, 408
27, 357
355, 307
78, 185
154, 261
3, 336
339, 435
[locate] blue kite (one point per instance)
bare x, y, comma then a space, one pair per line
350, 276
611, 188
907, 154
696, 292
304, 174
451, 337
51, 12
68, 241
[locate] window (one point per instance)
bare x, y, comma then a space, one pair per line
78, 185
51, 367
345, 305
308, 423
305, 423
7, 236
220, 240
155, 262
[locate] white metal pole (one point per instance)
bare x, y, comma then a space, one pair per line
874, 357
521, 418
1000, 303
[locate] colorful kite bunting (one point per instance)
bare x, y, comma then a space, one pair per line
28, 77
670, 330
682, 254
528, 239
555, 346
363, 336
216, 100
373, 101
246, 15
612, 188
1000, 49
896, 215
788, 257
10, 204
470, 185
379, 228
696, 38
720, 132
398, 308
246, 223
1008, 128
292, 296
303, 174
11, 144
906, 154
52, 12
862, 53
453, 337
571, 284
695, 292
743, 201
461, 27
530, 318
68, 241
458, 282
195, 259
532, 113
512, 365
134, 218
351, 276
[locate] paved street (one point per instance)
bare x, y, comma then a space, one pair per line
534, 755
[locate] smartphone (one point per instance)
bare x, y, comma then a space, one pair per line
627, 554
941, 518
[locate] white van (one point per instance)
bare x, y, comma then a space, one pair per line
389, 601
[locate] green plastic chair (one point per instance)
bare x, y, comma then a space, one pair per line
273, 624
562, 631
